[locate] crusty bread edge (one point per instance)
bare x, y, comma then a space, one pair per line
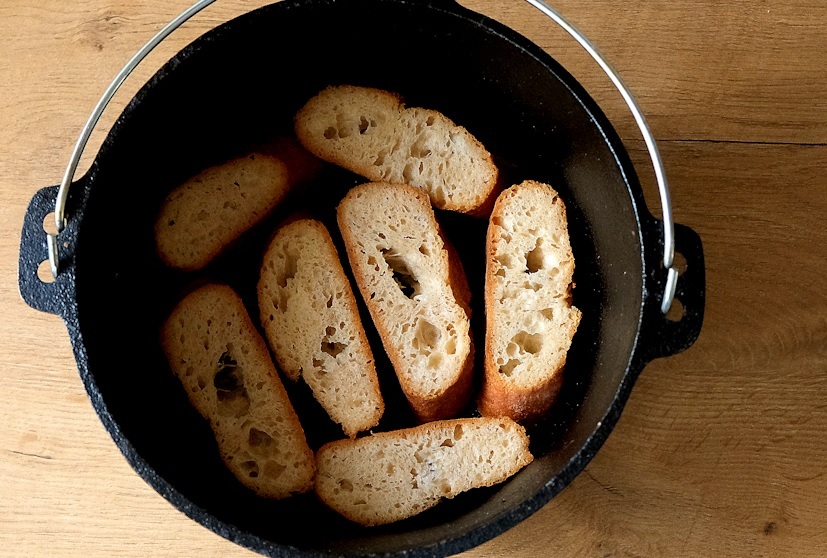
497, 398
457, 279
484, 209
492, 188
451, 401
456, 396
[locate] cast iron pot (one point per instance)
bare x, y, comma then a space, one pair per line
237, 87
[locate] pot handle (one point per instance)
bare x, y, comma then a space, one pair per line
35, 250
669, 334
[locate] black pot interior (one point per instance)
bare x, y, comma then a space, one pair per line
238, 87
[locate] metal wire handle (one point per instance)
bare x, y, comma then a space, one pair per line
74, 160
651, 146
567, 26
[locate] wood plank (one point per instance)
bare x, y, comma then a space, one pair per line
734, 71
720, 450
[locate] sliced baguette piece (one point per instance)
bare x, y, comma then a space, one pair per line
394, 475
302, 166
530, 321
215, 351
370, 132
416, 293
203, 216
311, 321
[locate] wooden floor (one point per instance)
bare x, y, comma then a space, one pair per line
721, 451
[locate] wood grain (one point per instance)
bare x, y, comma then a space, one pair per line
741, 71
721, 450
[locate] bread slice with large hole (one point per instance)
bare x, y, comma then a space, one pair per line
311, 321
202, 217
372, 133
394, 475
223, 364
416, 291
530, 321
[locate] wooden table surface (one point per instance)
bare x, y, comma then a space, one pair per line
721, 450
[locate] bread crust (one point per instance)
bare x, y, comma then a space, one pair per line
500, 395
458, 281
499, 399
453, 398
450, 402
484, 209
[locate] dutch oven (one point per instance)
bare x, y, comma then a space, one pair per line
237, 87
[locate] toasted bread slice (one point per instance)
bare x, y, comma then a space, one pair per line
215, 351
394, 475
416, 293
370, 132
530, 321
302, 166
311, 321
206, 214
